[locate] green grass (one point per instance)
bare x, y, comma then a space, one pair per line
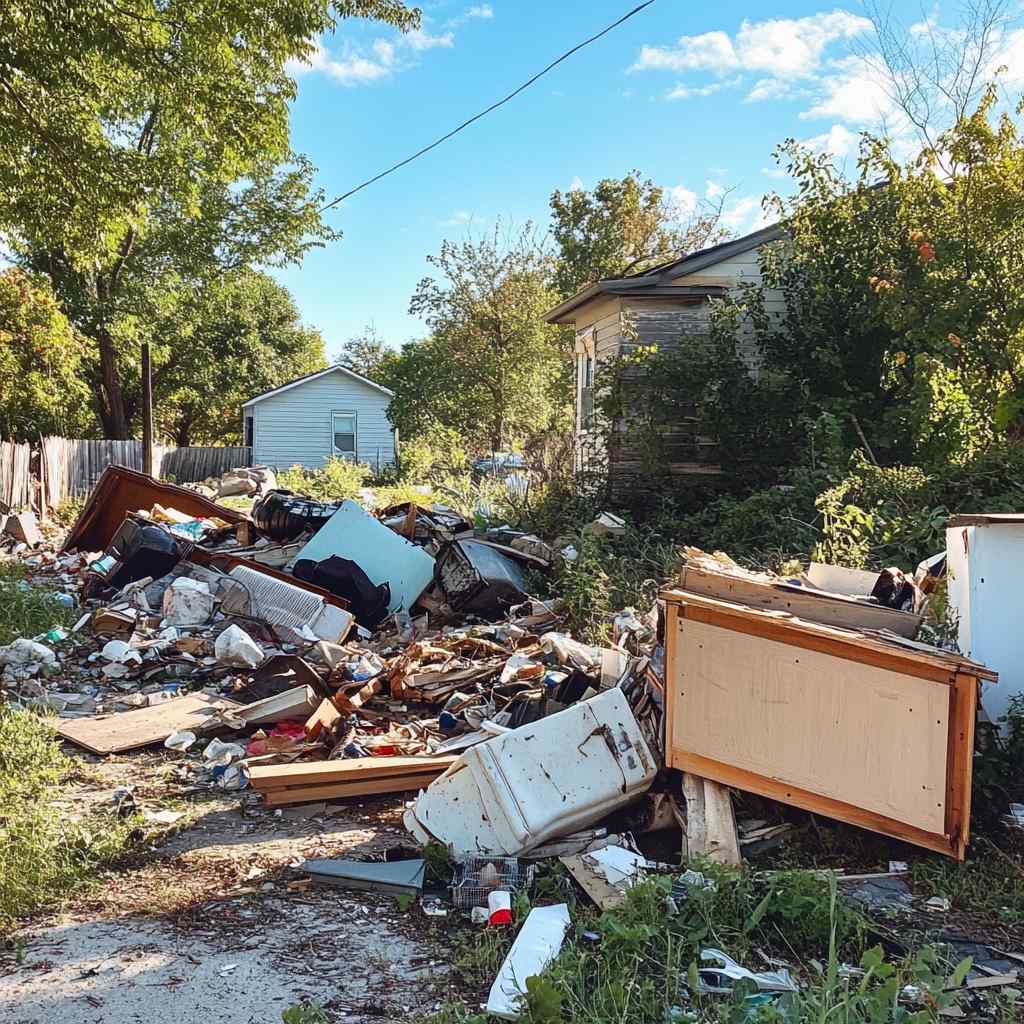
638, 964
26, 611
44, 856
991, 881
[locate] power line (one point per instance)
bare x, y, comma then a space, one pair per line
493, 106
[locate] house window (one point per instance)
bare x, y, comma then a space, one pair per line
586, 371
344, 434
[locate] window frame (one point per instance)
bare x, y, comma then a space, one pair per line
335, 452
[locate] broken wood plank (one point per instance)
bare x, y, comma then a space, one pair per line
129, 730
324, 720
281, 776
720, 823
341, 790
696, 830
593, 882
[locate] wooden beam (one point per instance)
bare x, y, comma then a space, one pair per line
343, 790
355, 769
723, 844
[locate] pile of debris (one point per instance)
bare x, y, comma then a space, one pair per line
311, 651
314, 651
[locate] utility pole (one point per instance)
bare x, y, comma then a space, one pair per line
147, 412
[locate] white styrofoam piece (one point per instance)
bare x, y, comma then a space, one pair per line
547, 779
983, 565
536, 945
380, 552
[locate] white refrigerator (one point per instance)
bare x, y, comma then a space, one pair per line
985, 567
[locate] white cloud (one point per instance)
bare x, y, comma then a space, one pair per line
352, 69
713, 190
853, 91
779, 47
744, 215
576, 185
712, 51
683, 199
770, 89
420, 40
773, 172
458, 219
684, 92
839, 142
478, 12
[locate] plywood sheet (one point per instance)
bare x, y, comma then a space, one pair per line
129, 730
856, 733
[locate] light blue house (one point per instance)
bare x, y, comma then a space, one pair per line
331, 412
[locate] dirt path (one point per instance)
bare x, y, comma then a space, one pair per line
213, 922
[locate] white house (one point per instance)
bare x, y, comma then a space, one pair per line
333, 412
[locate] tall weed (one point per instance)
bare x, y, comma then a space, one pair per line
44, 855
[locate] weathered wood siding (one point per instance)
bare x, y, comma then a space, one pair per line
295, 427
737, 273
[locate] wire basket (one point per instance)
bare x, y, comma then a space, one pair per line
477, 877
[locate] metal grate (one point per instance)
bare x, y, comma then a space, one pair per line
477, 877
276, 601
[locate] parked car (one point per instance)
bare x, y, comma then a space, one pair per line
499, 464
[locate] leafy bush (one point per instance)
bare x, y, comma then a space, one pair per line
338, 479
43, 854
437, 450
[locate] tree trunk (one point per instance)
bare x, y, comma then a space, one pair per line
183, 431
112, 409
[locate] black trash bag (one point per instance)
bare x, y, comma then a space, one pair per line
367, 601
142, 551
283, 516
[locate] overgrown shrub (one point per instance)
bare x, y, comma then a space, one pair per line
339, 478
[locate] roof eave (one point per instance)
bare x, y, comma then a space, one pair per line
624, 288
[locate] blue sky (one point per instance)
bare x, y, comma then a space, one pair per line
694, 96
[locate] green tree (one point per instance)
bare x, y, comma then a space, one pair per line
223, 343
905, 301
625, 226
42, 385
147, 140
369, 354
492, 368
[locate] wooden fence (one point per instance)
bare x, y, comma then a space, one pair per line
42, 476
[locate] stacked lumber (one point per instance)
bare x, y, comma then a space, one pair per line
283, 784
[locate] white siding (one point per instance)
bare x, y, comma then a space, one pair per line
294, 428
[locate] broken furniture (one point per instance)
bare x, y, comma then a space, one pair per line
121, 491
724, 580
523, 787
866, 728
